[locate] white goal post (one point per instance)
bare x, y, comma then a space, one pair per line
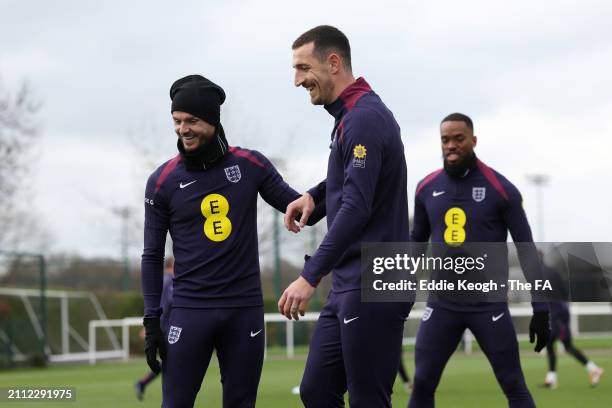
67, 331
516, 310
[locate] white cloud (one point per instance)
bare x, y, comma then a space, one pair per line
79, 185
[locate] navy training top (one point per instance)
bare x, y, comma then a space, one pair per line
365, 191
485, 206
212, 218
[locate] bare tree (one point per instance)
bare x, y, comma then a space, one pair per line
19, 129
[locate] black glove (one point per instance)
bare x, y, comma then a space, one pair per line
540, 326
154, 342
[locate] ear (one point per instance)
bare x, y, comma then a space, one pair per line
334, 62
475, 140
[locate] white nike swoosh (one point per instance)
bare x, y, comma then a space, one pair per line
350, 320
188, 184
496, 318
256, 333
438, 193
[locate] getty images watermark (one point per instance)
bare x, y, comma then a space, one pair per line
458, 265
487, 272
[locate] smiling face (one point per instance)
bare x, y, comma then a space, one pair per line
193, 131
314, 75
458, 141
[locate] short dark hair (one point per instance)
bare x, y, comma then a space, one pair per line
327, 39
459, 117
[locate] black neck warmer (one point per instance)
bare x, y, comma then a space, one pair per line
462, 168
207, 155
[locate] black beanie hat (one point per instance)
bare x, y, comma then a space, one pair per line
199, 97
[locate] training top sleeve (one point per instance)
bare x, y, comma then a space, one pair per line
318, 192
516, 222
515, 217
421, 229
155, 229
362, 138
276, 192
273, 189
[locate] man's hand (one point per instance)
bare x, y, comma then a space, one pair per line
154, 342
295, 299
540, 326
304, 206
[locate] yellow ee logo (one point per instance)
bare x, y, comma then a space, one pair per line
455, 220
217, 226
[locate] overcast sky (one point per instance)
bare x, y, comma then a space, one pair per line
533, 75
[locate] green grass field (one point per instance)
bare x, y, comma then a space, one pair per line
468, 381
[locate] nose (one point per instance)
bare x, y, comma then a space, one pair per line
183, 129
298, 79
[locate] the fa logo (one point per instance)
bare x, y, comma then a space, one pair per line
174, 333
233, 173
479, 193
543, 284
427, 313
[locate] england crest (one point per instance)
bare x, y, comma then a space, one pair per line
479, 193
427, 313
174, 333
233, 173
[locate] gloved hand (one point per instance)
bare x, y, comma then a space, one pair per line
154, 343
540, 327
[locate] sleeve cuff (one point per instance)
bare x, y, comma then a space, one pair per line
309, 274
540, 307
153, 313
315, 192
